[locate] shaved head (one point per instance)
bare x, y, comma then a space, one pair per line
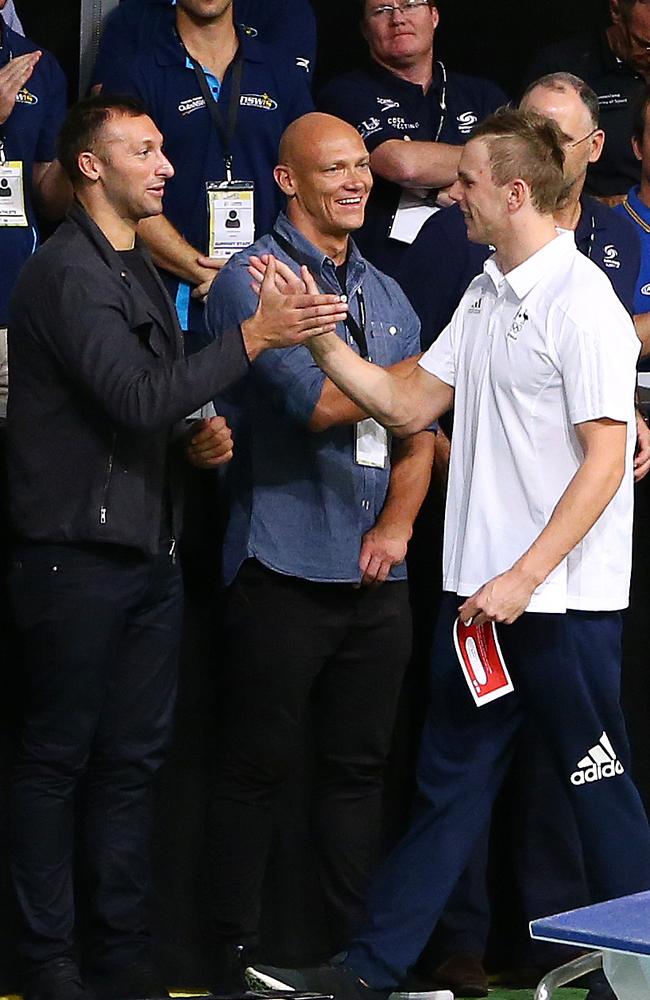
305, 136
324, 171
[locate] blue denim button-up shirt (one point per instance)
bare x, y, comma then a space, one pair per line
299, 503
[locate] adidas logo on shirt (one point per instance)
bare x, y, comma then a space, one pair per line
600, 762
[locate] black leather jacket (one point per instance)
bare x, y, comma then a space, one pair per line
98, 380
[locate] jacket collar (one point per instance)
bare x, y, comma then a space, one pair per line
78, 216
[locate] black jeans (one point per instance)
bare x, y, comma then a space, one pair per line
293, 645
99, 629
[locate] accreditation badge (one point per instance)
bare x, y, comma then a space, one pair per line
370, 444
413, 211
231, 207
12, 194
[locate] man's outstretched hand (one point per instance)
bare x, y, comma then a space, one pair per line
285, 318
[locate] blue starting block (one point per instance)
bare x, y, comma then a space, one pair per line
618, 931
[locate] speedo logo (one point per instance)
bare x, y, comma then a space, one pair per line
601, 762
261, 101
24, 97
466, 122
645, 290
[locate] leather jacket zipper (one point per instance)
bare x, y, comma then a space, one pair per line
107, 480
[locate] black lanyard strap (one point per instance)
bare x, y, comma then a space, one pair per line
356, 330
226, 130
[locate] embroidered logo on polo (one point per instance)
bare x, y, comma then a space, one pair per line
369, 127
611, 100
518, 323
610, 258
261, 101
601, 762
466, 122
303, 63
251, 32
476, 306
192, 104
402, 124
387, 103
25, 97
645, 290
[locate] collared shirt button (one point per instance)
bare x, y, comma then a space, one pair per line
344, 298
392, 330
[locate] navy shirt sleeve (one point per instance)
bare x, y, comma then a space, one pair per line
46, 146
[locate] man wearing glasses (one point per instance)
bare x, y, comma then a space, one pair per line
615, 62
413, 114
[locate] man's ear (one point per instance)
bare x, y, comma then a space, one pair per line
284, 180
597, 142
517, 193
636, 148
88, 164
615, 11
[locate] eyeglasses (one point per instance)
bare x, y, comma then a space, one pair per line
387, 10
572, 145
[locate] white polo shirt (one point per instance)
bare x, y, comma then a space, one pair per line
530, 354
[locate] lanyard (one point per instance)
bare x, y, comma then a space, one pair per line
3, 39
226, 130
443, 100
356, 330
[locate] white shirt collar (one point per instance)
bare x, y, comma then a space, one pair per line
523, 278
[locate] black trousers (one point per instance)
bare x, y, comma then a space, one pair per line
331, 654
99, 630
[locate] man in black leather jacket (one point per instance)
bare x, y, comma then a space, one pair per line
98, 382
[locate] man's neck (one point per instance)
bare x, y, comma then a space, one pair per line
644, 191
119, 232
568, 216
212, 43
333, 246
419, 72
521, 243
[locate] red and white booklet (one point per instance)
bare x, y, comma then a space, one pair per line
482, 661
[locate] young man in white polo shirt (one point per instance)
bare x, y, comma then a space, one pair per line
539, 364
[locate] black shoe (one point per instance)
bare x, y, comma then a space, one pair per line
463, 974
229, 961
56, 980
335, 979
137, 981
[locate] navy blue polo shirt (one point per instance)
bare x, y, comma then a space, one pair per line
382, 106
272, 96
439, 265
287, 25
29, 135
636, 213
618, 88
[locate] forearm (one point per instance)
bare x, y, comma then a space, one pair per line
171, 251
411, 464
53, 190
335, 409
584, 500
379, 393
417, 164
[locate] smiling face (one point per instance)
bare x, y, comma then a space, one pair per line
129, 164
482, 202
326, 177
400, 38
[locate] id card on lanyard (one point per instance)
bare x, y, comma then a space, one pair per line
370, 438
12, 191
230, 203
